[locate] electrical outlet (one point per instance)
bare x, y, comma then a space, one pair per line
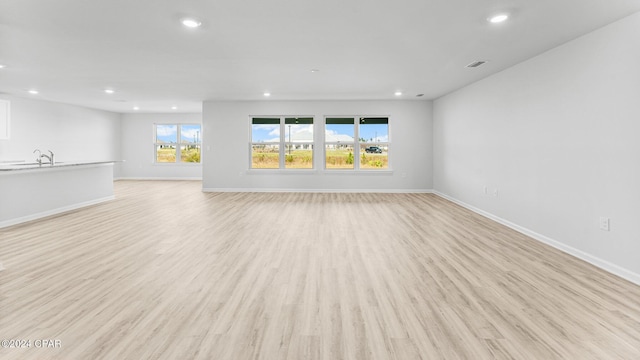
495, 192
604, 223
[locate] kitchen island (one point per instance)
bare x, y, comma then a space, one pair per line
30, 191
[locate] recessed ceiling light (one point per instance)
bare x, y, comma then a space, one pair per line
174, 108
136, 108
109, 91
314, 70
398, 93
2, 66
191, 23
267, 94
33, 92
498, 18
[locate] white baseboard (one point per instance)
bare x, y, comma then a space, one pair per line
43, 214
389, 191
160, 178
594, 260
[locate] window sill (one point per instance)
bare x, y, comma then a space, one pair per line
357, 172
177, 164
315, 172
281, 172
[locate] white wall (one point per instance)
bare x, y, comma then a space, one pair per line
558, 136
71, 132
138, 148
226, 146
28, 195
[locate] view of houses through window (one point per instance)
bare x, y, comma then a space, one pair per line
177, 143
373, 139
299, 143
355, 143
339, 142
282, 143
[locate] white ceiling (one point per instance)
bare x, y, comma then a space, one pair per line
71, 50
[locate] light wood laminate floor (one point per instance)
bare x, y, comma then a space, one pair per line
168, 272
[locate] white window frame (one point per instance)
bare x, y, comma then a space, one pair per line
335, 143
384, 144
178, 144
283, 144
357, 144
5, 119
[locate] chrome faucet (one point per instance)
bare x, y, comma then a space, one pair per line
49, 157
39, 158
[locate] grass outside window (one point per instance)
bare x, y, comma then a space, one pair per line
177, 143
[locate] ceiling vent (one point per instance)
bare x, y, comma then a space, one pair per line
475, 64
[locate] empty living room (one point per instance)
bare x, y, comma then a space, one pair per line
319, 180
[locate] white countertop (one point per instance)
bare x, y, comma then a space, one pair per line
17, 166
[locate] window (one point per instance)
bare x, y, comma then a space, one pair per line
5, 117
339, 142
357, 143
282, 143
177, 143
373, 136
265, 143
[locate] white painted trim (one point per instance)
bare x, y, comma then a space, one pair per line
594, 260
160, 178
389, 191
357, 172
5, 131
281, 172
341, 172
64, 209
176, 164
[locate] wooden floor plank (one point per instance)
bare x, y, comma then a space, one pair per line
168, 272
